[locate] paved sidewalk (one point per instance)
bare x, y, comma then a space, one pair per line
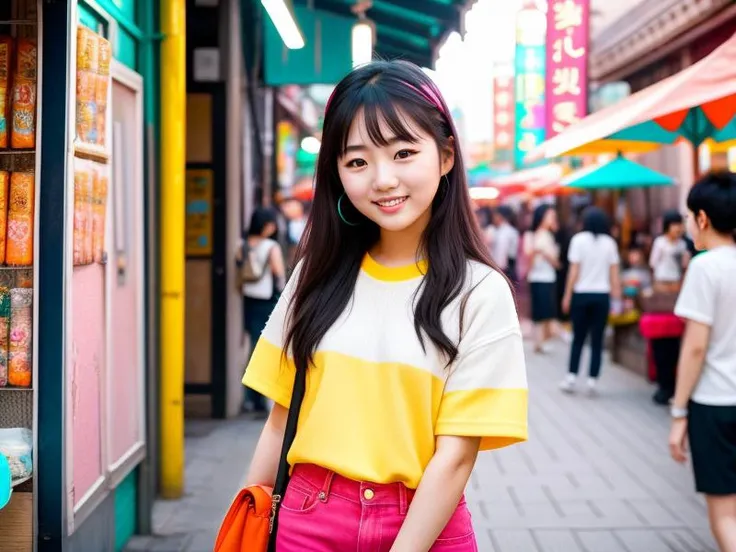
595, 476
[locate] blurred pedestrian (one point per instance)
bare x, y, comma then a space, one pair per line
544, 260
394, 302
261, 264
506, 242
704, 406
669, 255
592, 281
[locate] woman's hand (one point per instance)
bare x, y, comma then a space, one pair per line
678, 440
566, 301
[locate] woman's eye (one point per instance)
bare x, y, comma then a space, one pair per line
404, 154
356, 163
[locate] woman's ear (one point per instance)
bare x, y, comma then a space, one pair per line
702, 220
447, 157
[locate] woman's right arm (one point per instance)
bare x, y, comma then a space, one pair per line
656, 254
265, 461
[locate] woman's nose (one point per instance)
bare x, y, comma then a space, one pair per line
386, 178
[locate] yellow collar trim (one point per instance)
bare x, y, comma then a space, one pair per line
393, 273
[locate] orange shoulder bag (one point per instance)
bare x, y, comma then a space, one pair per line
251, 522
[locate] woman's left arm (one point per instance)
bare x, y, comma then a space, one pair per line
438, 493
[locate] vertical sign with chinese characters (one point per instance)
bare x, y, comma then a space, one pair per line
529, 89
503, 117
567, 63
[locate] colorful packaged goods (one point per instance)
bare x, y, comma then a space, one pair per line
4, 334
21, 330
23, 134
19, 247
103, 83
4, 183
99, 206
27, 59
88, 64
6, 55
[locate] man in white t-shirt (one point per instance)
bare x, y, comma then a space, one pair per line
506, 242
704, 406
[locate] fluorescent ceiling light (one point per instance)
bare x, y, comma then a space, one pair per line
310, 144
484, 193
285, 23
362, 37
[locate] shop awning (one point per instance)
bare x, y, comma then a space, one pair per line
698, 104
406, 29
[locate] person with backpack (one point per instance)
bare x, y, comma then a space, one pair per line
261, 269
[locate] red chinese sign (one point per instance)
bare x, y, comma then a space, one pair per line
503, 115
568, 24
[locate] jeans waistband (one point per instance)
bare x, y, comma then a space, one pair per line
327, 483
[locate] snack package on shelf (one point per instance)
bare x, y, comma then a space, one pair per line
16, 444
19, 246
101, 88
6, 55
93, 52
4, 185
82, 183
99, 211
21, 329
4, 334
23, 135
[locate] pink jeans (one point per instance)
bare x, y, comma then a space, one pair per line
325, 512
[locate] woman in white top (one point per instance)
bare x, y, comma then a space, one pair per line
592, 280
669, 255
543, 254
260, 297
704, 406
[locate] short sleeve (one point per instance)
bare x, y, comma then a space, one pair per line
269, 371
574, 253
613, 257
698, 295
485, 394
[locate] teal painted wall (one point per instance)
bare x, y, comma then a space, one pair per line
126, 510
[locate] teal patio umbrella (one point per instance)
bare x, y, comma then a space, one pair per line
619, 174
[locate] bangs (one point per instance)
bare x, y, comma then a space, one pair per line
398, 116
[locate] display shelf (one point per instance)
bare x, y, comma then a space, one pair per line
2, 389
16, 410
17, 152
16, 484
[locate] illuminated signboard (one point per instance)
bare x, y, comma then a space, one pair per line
503, 116
529, 89
567, 63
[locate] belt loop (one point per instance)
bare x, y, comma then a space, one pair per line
403, 502
325, 492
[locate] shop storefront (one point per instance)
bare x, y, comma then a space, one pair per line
72, 200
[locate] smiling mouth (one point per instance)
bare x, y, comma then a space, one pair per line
391, 202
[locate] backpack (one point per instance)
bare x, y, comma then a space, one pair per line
251, 270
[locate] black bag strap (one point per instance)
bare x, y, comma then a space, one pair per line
282, 476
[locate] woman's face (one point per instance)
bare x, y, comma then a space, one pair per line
549, 221
675, 230
392, 185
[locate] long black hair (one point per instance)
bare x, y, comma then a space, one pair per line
331, 252
539, 214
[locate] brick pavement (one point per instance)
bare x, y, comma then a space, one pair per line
595, 476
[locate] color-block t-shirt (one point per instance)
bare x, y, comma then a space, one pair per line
376, 401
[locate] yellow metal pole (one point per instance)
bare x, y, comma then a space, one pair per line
173, 160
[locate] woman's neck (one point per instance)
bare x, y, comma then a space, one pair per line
718, 240
399, 248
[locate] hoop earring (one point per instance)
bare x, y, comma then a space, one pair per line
342, 217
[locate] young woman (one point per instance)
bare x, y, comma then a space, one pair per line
593, 278
259, 298
408, 335
669, 255
544, 261
704, 406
